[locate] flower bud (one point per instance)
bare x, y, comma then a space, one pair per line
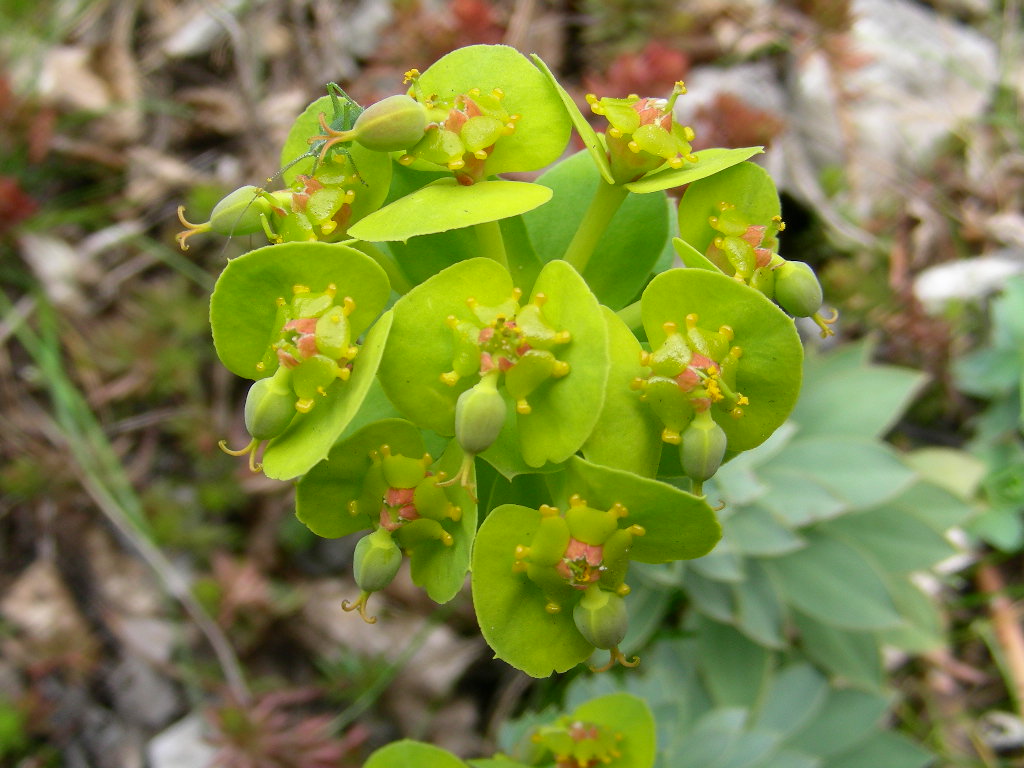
601, 618
391, 125
797, 289
270, 406
377, 559
703, 447
479, 415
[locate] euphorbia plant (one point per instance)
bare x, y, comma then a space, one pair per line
538, 328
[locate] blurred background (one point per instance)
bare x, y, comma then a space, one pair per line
160, 606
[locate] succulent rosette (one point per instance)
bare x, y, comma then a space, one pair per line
294, 313
472, 357
549, 583
382, 479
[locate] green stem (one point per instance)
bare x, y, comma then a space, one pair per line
399, 282
631, 316
492, 244
602, 208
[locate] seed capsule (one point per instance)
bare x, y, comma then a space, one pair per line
270, 405
703, 448
377, 559
391, 125
479, 415
601, 618
797, 289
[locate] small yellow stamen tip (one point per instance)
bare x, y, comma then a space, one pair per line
456, 165
450, 378
727, 331
480, 154
547, 510
623, 590
669, 327
637, 530
446, 539
343, 373
522, 552
577, 501
553, 608
671, 436
406, 160
691, 320
410, 76
634, 147
523, 408
260, 366
353, 508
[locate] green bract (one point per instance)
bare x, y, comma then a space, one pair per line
468, 319
532, 568
718, 344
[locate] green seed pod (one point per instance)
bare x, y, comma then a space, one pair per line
763, 280
270, 405
797, 289
479, 415
238, 213
703, 447
377, 559
391, 125
601, 617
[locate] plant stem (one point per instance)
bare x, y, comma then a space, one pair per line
630, 315
492, 244
399, 282
602, 208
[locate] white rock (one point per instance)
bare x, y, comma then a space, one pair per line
181, 746
967, 280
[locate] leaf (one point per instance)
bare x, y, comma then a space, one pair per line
846, 718
323, 494
542, 130
691, 257
631, 245
721, 565
709, 162
797, 693
406, 753
564, 411
745, 185
711, 739
853, 656
511, 609
678, 525
714, 599
243, 306
898, 542
832, 582
733, 668
445, 204
865, 402
923, 629
760, 613
753, 531
309, 439
797, 496
861, 472
591, 140
958, 472
628, 715
883, 748
770, 370
627, 433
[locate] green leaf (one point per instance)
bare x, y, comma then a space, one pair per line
628, 715
445, 204
407, 753
797, 496
564, 411
797, 694
754, 531
760, 613
898, 542
832, 582
323, 494
243, 306
627, 433
958, 472
853, 656
924, 628
861, 472
715, 599
625, 255
420, 347
711, 740
733, 668
846, 718
883, 748
865, 402
709, 162
768, 373
543, 128
591, 140
309, 438
745, 185
691, 257
511, 609
678, 525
